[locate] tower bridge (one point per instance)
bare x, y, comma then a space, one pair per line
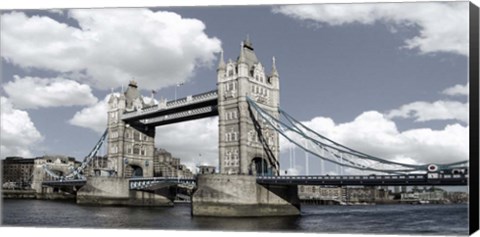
247, 103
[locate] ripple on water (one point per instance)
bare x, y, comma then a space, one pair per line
385, 219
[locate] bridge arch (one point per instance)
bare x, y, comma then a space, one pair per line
259, 166
133, 170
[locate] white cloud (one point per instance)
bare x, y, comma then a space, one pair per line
443, 27
34, 92
374, 134
189, 139
93, 117
111, 47
18, 133
457, 90
438, 110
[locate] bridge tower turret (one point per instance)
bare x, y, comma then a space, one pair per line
246, 144
130, 146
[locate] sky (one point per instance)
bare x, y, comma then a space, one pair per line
390, 79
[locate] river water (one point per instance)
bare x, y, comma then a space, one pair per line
382, 219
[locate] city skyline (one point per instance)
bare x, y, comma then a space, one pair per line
389, 84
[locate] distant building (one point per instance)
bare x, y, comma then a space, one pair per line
22, 172
57, 164
315, 192
206, 169
17, 170
457, 197
366, 194
432, 195
164, 165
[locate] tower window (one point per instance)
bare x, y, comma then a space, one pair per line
136, 136
136, 151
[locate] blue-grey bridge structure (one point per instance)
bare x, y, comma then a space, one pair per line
140, 183
250, 123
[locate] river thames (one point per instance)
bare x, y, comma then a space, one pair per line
376, 219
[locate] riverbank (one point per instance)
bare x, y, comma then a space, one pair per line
31, 194
19, 194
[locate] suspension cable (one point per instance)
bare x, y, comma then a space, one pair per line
86, 161
333, 148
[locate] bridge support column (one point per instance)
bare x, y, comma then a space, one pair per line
240, 195
116, 191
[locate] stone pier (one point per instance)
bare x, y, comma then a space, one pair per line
115, 191
241, 196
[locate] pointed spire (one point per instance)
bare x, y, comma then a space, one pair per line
152, 99
274, 67
241, 58
221, 64
248, 43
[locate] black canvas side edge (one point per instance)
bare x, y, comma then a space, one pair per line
474, 120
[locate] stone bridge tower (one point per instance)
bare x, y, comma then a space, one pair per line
130, 146
247, 145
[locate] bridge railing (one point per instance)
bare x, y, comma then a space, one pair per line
173, 104
159, 178
410, 179
145, 183
342, 177
182, 114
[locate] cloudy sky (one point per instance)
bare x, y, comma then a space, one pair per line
387, 79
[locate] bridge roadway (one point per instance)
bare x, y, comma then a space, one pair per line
370, 180
336, 180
